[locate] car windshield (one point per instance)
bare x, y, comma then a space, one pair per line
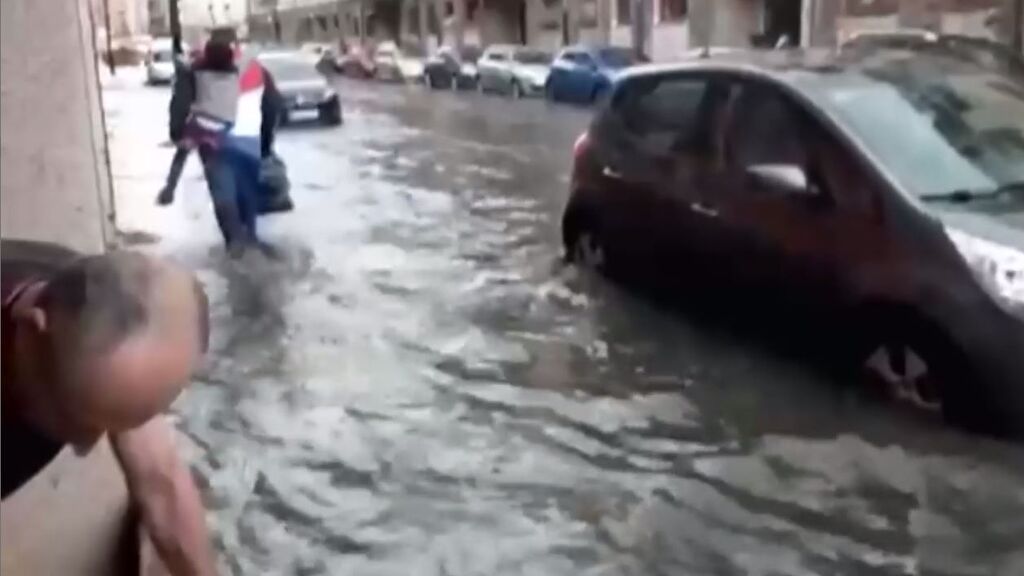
616, 57
532, 57
470, 54
937, 131
291, 69
163, 56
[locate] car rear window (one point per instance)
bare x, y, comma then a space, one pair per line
617, 57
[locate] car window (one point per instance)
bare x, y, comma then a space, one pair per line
569, 56
658, 113
470, 54
584, 59
616, 57
531, 56
291, 69
496, 57
766, 128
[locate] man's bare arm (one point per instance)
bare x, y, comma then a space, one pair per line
162, 488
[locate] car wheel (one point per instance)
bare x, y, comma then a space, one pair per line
584, 244
331, 116
911, 363
905, 374
589, 252
597, 95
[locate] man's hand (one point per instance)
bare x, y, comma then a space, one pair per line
162, 488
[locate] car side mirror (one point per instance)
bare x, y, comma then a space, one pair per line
782, 178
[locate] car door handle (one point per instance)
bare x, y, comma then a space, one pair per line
703, 210
611, 173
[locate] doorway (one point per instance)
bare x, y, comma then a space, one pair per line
521, 21
782, 23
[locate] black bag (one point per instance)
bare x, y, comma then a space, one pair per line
274, 187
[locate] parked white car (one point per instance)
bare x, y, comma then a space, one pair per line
394, 65
517, 71
160, 61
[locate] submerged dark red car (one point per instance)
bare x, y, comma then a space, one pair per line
878, 197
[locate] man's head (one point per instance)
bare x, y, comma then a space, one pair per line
106, 344
219, 54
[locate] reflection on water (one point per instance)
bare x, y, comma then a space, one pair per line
419, 386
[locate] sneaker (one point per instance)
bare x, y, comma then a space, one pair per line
165, 197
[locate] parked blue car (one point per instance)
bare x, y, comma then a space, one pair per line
583, 74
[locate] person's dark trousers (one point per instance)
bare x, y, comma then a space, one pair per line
246, 174
228, 205
173, 175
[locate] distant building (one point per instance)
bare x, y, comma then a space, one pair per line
197, 17
127, 19
159, 18
665, 29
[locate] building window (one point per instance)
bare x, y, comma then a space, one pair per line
624, 12
673, 10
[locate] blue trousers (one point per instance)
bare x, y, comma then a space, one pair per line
231, 177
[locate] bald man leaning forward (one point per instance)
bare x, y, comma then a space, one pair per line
102, 345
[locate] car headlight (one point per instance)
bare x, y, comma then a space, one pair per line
1000, 268
329, 93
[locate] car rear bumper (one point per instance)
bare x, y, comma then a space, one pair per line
532, 89
301, 103
158, 75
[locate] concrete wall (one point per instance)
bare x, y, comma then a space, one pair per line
724, 22
54, 174
72, 519
986, 18
669, 41
498, 22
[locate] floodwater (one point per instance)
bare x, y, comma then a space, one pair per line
419, 386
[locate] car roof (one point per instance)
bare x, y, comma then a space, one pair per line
807, 70
164, 43
286, 55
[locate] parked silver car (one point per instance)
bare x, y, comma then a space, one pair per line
517, 71
159, 62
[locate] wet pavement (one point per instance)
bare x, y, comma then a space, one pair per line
419, 386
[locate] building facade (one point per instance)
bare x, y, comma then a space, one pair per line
665, 29
198, 17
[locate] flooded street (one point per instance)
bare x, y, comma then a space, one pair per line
419, 386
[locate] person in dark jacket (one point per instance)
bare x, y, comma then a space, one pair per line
98, 347
212, 110
182, 95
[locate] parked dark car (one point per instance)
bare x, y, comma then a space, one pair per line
874, 206
303, 88
448, 68
583, 74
